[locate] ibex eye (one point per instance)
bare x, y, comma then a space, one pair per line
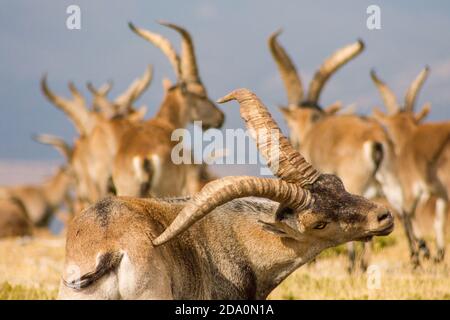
320, 225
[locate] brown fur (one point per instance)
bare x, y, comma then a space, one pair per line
13, 219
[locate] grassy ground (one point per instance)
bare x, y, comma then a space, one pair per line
389, 277
30, 269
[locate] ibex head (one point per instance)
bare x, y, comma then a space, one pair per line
313, 207
192, 91
123, 104
401, 116
303, 111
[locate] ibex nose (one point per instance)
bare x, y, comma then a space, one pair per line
382, 222
384, 215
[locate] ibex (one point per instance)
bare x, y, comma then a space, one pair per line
216, 245
420, 152
354, 148
143, 164
40, 202
99, 129
13, 219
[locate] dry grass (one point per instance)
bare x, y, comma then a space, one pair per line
30, 269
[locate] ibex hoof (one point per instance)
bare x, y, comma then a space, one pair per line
415, 260
424, 249
439, 256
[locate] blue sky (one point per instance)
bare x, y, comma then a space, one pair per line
230, 38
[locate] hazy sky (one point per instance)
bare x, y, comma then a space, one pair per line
231, 44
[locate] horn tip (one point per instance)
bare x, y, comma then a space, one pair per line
165, 23
35, 137
44, 80
276, 33
236, 95
90, 87
226, 98
71, 85
361, 43
132, 27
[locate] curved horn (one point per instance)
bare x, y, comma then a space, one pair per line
75, 109
163, 44
135, 90
412, 93
284, 161
387, 95
58, 143
189, 67
219, 192
330, 66
288, 72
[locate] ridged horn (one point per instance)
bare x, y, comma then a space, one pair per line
284, 161
75, 109
389, 99
57, 142
330, 66
163, 44
189, 68
413, 91
221, 191
288, 72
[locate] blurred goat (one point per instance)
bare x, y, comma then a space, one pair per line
422, 152
40, 202
143, 164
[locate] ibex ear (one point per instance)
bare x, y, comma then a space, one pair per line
138, 115
167, 84
424, 112
378, 114
333, 108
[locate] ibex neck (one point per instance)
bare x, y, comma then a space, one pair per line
173, 110
257, 254
400, 135
56, 188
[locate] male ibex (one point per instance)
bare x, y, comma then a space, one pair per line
214, 245
100, 130
143, 164
40, 202
420, 152
354, 148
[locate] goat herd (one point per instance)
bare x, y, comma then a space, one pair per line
136, 233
